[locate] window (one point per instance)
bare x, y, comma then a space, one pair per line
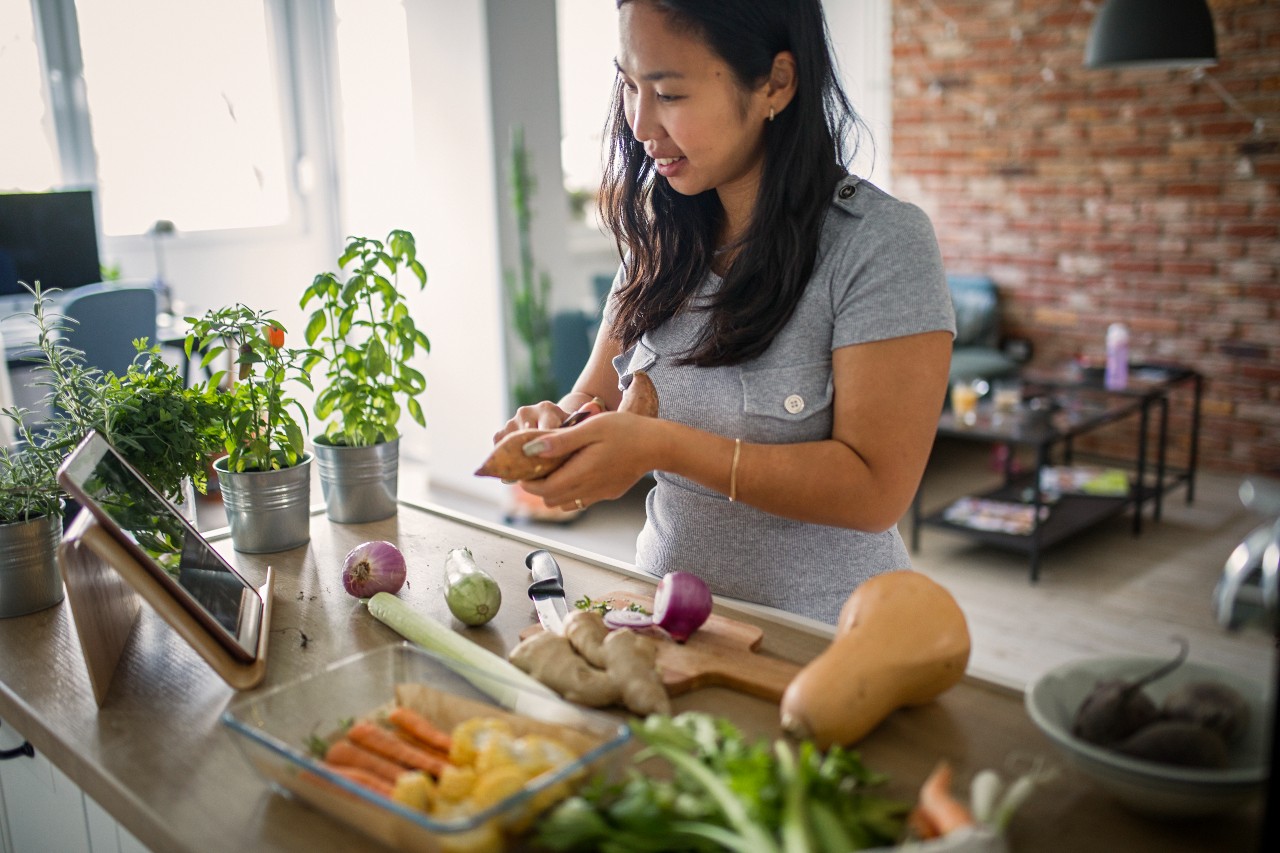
28, 148
182, 124
588, 40
587, 35
377, 142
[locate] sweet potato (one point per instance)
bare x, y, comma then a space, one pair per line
640, 397
508, 461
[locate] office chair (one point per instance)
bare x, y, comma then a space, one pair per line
108, 317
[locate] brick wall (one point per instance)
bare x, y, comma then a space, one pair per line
1093, 196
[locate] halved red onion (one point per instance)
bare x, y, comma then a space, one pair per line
681, 604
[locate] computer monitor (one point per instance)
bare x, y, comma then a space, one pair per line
48, 237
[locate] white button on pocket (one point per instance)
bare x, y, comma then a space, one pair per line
794, 404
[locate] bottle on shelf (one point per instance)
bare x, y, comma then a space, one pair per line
1116, 376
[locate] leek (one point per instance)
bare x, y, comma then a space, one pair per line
490, 673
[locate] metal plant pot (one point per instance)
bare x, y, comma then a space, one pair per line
29, 578
359, 483
267, 511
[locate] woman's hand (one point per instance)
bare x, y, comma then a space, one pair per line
608, 454
544, 415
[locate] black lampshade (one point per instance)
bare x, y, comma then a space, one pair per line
1152, 33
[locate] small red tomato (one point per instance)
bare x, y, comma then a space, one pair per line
275, 336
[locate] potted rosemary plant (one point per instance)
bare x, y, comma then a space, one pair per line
266, 474
30, 522
365, 339
163, 428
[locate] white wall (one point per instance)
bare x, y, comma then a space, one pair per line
465, 401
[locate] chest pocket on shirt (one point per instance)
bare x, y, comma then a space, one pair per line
791, 394
640, 357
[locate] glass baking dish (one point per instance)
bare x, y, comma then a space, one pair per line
274, 729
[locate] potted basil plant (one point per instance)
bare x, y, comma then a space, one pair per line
266, 475
363, 335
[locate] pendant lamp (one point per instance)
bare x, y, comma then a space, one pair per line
1152, 34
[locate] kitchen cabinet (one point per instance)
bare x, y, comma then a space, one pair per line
42, 810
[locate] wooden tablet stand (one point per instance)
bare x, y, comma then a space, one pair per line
104, 587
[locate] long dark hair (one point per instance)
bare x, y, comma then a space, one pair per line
669, 239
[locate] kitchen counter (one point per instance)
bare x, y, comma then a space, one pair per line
157, 758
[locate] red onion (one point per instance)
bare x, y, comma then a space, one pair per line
627, 619
373, 567
681, 604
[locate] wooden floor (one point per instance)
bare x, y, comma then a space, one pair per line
1103, 592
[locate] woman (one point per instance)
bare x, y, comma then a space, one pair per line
795, 320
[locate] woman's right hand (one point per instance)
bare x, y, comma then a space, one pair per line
544, 415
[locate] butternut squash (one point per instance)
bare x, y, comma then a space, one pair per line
901, 640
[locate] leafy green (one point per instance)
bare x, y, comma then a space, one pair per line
726, 792
366, 340
603, 606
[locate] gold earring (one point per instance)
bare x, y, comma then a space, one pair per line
770, 113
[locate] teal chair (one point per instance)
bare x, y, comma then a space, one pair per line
106, 318
980, 352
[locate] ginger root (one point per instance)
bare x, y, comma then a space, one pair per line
631, 661
552, 660
594, 666
585, 630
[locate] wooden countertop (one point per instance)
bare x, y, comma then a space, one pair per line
157, 758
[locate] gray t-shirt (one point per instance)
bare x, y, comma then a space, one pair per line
879, 275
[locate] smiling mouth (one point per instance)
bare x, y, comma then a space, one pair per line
666, 161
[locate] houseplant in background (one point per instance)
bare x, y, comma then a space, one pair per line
266, 474
528, 306
364, 337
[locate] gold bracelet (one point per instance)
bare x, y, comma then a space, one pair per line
733, 470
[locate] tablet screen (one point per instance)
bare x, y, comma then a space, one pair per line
165, 543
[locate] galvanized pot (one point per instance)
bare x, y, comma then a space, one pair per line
359, 483
29, 578
267, 511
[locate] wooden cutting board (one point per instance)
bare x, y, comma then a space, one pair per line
722, 653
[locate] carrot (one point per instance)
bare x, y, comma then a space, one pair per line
421, 728
364, 778
937, 807
378, 740
347, 754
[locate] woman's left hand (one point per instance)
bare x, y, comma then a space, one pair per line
609, 453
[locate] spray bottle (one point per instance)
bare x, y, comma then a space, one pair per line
1117, 372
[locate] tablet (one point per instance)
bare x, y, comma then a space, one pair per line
165, 544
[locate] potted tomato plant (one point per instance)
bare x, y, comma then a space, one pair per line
365, 340
266, 475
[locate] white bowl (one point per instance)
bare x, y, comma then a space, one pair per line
1144, 786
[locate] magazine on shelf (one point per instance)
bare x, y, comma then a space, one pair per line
1012, 517
1083, 480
